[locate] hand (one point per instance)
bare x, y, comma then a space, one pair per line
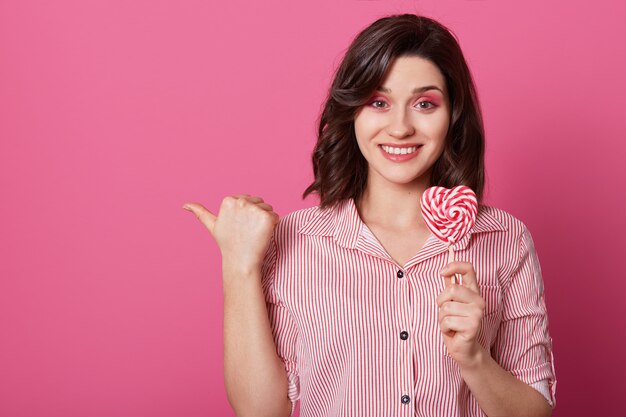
242, 229
461, 310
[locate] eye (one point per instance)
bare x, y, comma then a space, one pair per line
377, 101
423, 102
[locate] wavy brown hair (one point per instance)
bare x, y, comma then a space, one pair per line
339, 168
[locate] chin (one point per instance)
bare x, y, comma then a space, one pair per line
403, 180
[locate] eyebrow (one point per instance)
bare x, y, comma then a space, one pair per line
415, 90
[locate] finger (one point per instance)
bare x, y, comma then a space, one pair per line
205, 216
253, 199
456, 308
451, 324
266, 206
473, 311
458, 293
466, 269
256, 200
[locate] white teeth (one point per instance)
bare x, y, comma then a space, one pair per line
399, 151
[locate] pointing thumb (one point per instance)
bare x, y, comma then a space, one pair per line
205, 216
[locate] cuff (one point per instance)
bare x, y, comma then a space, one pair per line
544, 389
293, 390
293, 408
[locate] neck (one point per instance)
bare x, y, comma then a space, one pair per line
394, 206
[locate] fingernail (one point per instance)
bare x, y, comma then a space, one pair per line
186, 207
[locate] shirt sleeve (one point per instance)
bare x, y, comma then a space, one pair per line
523, 345
284, 331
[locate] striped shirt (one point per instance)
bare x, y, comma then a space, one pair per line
358, 334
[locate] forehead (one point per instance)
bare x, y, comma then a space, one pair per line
409, 72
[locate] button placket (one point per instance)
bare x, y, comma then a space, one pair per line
404, 322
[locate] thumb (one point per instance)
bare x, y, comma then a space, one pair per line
205, 216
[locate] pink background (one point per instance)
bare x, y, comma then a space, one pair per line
115, 113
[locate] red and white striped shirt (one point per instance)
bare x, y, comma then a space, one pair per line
358, 333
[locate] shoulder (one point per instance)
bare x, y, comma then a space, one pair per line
510, 224
297, 218
291, 225
512, 244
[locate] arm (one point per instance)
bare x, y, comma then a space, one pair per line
499, 393
517, 377
254, 375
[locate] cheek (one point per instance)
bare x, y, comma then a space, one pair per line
366, 122
365, 131
438, 129
359, 129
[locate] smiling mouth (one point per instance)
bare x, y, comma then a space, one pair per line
391, 150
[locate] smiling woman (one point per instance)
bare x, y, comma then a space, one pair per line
344, 306
402, 115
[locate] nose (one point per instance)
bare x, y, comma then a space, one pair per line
400, 124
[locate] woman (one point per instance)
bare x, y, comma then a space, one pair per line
345, 306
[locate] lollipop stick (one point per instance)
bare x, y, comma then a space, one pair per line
451, 259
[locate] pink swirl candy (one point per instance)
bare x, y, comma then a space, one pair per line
449, 213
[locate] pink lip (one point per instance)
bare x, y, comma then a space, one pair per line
400, 158
403, 145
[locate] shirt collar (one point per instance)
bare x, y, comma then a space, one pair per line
345, 225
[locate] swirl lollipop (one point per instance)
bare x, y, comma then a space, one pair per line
449, 214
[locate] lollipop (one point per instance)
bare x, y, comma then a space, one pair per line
449, 214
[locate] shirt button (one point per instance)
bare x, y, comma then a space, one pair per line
404, 335
400, 274
405, 399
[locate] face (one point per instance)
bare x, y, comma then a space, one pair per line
397, 116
